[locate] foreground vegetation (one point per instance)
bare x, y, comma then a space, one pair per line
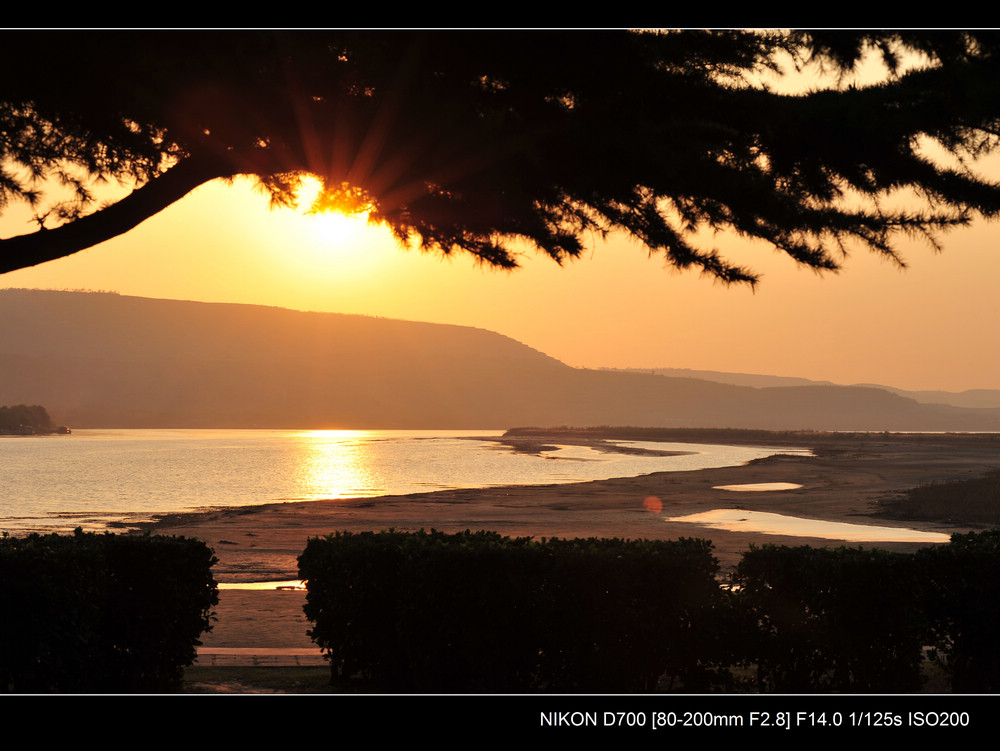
477, 612
210, 679
969, 502
481, 613
101, 613
213, 679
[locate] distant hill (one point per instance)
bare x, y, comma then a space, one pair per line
977, 398
108, 360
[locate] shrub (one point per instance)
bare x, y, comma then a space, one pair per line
962, 599
102, 613
832, 620
479, 612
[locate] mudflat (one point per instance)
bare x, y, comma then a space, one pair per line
848, 479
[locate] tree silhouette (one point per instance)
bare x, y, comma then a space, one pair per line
471, 141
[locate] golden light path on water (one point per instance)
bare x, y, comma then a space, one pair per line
334, 459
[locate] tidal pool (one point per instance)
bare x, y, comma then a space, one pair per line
739, 520
759, 486
287, 585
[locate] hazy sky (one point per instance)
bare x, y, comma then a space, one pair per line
935, 325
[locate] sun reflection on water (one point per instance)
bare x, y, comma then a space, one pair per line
334, 463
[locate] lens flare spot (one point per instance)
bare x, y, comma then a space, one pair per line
652, 504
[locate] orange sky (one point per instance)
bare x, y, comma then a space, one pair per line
933, 326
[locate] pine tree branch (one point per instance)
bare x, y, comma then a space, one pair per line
44, 245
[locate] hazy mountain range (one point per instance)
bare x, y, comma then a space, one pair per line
968, 398
108, 360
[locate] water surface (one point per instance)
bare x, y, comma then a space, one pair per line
758, 487
94, 477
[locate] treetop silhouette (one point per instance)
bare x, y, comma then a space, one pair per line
473, 141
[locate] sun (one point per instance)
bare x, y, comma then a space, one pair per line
323, 242
336, 230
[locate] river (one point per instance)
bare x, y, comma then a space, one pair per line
94, 478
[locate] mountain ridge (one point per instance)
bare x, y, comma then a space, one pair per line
107, 360
988, 398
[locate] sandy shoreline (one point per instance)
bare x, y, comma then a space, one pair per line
844, 482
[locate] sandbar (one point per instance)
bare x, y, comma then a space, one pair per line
847, 480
